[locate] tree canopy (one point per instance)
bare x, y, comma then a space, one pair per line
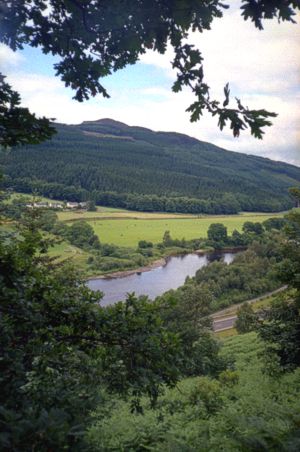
17, 124
217, 232
94, 39
60, 348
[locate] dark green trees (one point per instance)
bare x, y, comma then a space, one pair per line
295, 193
91, 206
217, 234
246, 319
281, 328
252, 228
17, 125
60, 350
148, 173
289, 270
81, 234
186, 313
167, 239
281, 333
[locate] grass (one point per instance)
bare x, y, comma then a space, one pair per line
129, 231
114, 213
226, 333
64, 250
126, 228
28, 197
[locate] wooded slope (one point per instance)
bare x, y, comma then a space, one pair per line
139, 165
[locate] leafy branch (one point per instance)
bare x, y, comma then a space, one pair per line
17, 125
189, 63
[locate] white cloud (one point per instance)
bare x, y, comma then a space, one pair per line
47, 96
251, 60
161, 61
34, 84
263, 68
9, 59
156, 91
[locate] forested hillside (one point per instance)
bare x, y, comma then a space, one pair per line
137, 168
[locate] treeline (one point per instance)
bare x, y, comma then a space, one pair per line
146, 171
223, 204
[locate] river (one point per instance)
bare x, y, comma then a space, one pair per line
157, 281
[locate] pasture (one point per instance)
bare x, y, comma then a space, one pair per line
128, 231
114, 213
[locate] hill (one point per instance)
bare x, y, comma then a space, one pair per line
137, 168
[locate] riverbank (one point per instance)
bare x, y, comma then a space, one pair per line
163, 261
122, 274
169, 274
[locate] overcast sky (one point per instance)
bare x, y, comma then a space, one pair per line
262, 67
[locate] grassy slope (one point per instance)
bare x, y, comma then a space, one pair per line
63, 251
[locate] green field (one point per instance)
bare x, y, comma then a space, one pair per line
126, 228
112, 213
129, 231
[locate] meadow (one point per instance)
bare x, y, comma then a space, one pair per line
126, 228
129, 231
114, 213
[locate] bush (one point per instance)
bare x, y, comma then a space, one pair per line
246, 319
147, 252
207, 393
229, 377
217, 234
145, 244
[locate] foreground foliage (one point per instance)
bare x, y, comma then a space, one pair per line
242, 410
279, 324
61, 352
17, 125
281, 328
64, 356
59, 348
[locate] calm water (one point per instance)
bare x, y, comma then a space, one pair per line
157, 281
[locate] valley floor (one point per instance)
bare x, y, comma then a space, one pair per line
127, 228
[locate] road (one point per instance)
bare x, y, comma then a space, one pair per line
221, 322
224, 324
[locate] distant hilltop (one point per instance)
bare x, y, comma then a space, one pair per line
134, 167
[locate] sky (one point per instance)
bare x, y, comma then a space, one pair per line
262, 68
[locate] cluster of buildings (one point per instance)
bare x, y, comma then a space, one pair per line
57, 205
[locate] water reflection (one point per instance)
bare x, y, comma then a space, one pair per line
157, 281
